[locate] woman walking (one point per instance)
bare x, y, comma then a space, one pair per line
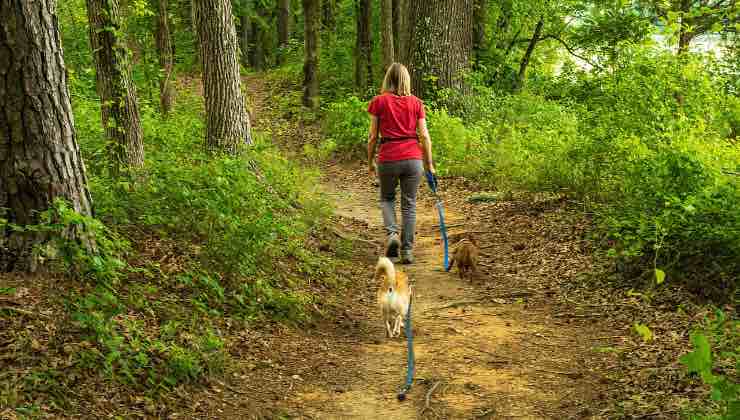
405, 150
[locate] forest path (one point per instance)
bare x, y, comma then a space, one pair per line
491, 348
481, 358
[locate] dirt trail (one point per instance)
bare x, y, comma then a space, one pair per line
485, 356
480, 357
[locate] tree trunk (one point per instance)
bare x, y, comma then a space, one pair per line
328, 15
119, 108
685, 35
245, 28
166, 59
283, 28
227, 122
386, 23
399, 30
440, 43
257, 52
480, 19
684, 40
503, 23
39, 157
311, 59
528, 54
363, 47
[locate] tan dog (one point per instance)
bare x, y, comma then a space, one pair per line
394, 296
466, 257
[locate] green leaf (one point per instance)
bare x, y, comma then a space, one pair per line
659, 276
699, 360
644, 332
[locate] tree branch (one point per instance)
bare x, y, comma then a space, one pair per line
570, 50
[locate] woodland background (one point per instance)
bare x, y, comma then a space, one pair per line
185, 218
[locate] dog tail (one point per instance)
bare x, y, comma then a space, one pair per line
385, 266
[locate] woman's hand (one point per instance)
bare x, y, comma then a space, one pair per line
429, 166
372, 169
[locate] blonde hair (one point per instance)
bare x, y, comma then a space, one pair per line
397, 80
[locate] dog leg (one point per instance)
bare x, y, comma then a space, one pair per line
388, 332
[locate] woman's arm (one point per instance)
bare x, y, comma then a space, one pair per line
426, 144
371, 141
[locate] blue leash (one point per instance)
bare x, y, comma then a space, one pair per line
432, 181
410, 354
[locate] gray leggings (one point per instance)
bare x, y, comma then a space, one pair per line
409, 173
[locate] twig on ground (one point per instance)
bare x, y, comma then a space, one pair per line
347, 237
499, 359
23, 312
571, 315
514, 294
427, 399
455, 305
572, 375
452, 225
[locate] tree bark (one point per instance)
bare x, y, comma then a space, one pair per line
227, 121
39, 157
480, 19
528, 54
363, 47
684, 35
328, 15
245, 28
166, 59
119, 108
399, 26
684, 40
386, 23
503, 23
440, 43
311, 54
257, 52
283, 28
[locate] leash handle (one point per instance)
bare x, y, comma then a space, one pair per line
431, 181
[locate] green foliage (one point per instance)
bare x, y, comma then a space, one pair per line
132, 352
644, 332
345, 125
716, 360
454, 143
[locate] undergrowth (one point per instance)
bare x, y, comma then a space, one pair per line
186, 250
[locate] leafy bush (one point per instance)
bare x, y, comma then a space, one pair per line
454, 143
646, 147
715, 359
345, 125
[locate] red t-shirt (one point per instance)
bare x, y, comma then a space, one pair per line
397, 116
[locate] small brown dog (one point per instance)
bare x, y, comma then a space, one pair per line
394, 296
466, 257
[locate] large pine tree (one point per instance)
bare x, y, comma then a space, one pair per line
119, 108
166, 58
386, 35
440, 42
363, 47
311, 60
39, 157
227, 121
